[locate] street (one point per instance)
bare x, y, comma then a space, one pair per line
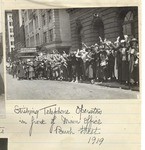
61, 90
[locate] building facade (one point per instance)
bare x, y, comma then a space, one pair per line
18, 26
87, 24
9, 33
47, 29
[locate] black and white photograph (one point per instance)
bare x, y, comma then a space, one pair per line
3, 144
72, 53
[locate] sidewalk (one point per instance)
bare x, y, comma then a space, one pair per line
117, 85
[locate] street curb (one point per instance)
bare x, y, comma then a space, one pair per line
125, 88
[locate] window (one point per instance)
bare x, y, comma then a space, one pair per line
98, 29
30, 13
31, 26
11, 35
44, 37
51, 35
25, 16
128, 24
37, 39
43, 20
12, 49
36, 22
12, 42
27, 42
11, 30
10, 23
32, 41
49, 14
26, 30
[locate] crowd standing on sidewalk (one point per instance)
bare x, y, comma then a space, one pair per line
101, 62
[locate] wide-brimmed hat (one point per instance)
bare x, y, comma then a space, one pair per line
101, 46
133, 40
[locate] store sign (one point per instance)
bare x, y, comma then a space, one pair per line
28, 50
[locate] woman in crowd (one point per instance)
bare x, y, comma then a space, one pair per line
133, 62
20, 70
124, 65
14, 69
31, 71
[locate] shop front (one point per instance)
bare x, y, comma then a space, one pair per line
27, 54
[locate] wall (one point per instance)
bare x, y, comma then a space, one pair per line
64, 26
110, 19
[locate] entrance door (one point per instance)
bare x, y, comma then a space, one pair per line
98, 29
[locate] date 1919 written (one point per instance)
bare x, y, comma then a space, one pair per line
94, 140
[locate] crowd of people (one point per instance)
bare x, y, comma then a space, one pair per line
101, 62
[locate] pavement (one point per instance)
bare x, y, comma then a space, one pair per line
61, 90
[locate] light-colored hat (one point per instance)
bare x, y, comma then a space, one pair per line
122, 41
96, 44
125, 36
134, 40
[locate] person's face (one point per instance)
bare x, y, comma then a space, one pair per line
96, 48
134, 44
123, 44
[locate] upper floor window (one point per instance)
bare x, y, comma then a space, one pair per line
31, 25
12, 42
37, 39
128, 24
10, 23
44, 37
25, 16
32, 41
11, 30
10, 16
49, 15
36, 22
43, 19
11, 35
26, 29
51, 35
27, 42
30, 13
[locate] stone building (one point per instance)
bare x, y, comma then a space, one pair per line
18, 26
47, 29
87, 24
9, 33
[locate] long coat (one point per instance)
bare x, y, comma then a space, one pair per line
21, 71
125, 65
